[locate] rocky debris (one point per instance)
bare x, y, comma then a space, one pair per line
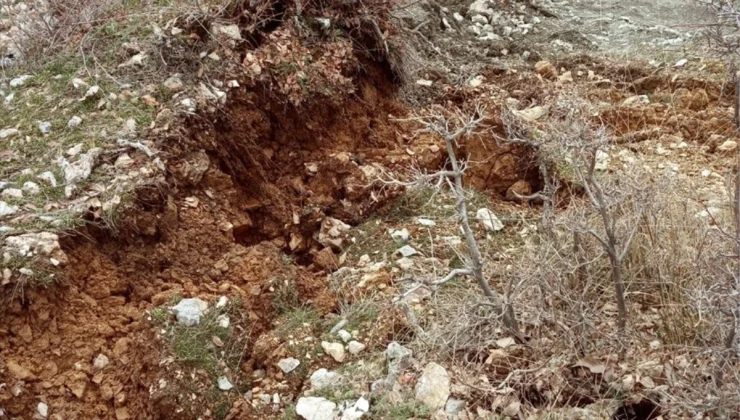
344, 335
45, 127
12, 193
43, 410
48, 178
101, 361
19, 81
636, 100
315, 408
323, 378
400, 236
481, 7
288, 365
190, 311
7, 133
355, 347
426, 222
74, 122
356, 410
489, 220
224, 384
335, 350
546, 69
531, 114
82, 168
229, 31
174, 83
36, 243
407, 251
333, 233
31, 188
453, 407
7, 209
727, 146
433, 387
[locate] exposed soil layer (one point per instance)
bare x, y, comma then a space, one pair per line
248, 186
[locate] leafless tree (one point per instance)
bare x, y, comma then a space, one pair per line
453, 129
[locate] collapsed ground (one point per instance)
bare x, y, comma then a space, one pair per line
252, 207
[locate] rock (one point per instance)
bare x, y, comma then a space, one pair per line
344, 335
230, 31
48, 178
520, 188
357, 410
223, 321
680, 63
288, 365
401, 236
474, 29
7, 133
396, 352
338, 326
20, 80
36, 243
79, 83
43, 409
636, 100
453, 407
190, 104
458, 17
602, 160
92, 92
7, 209
123, 161
406, 251
489, 220
17, 371
566, 77
190, 311
335, 350
426, 222
82, 168
224, 384
134, 61
122, 413
323, 378
101, 361
479, 19
546, 69
12, 193
356, 347
433, 387
31, 188
174, 83
480, 7
315, 408
333, 233
727, 146
531, 114
45, 127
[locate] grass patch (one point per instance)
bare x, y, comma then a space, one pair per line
389, 410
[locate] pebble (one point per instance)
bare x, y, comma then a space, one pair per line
338, 326
189, 311
43, 409
315, 408
101, 361
224, 384
323, 378
6, 133
20, 80
12, 193
74, 122
426, 222
407, 251
288, 365
48, 178
344, 335
31, 188
335, 350
7, 209
356, 347
45, 127
489, 220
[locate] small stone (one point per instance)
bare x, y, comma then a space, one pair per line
344, 335
727, 146
433, 387
531, 114
315, 408
479, 19
150, 101
222, 301
335, 350
223, 321
7, 209
458, 17
74, 122
355, 347
288, 365
566, 77
190, 311
101, 361
356, 410
189, 103
20, 80
680, 63
636, 100
323, 378
338, 326
396, 351
7, 133
426, 222
232, 84
12, 193
224, 384
48, 178
122, 413
706, 172
230, 31
489, 220
401, 236
31, 188
546, 69
174, 83
45, 127
407, 251
453, 407
43, 409
79, 83
476, 81
424, 82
